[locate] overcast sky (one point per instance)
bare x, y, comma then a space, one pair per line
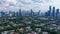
28, 4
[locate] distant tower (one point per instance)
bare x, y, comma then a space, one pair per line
2, 13
13, 13
57, 12
17, 14
20, 14
49, 12
46, 14
32, 13
39, 13
53, 12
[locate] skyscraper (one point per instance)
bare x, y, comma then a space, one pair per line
32, 13
46, 14
53, 12
2, 13
20, 12
13, 13
49, 12
57, 12
17, 14
39, 13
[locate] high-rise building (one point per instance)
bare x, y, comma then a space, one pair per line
32, 13
49, 12
2, 13
53, 12
20, 12
57, 12
46, 14
17, 14
39, 13
13, 14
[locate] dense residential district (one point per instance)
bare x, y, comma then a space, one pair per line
30, 22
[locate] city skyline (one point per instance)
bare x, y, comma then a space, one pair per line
28, 4
51, 12
29, 16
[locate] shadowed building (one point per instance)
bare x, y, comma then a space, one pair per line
39, 13
57, 13
53, 12
49, 12
32, 13
20, 12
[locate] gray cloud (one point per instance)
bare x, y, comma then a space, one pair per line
28, 4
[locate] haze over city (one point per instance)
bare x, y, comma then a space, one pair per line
29, 16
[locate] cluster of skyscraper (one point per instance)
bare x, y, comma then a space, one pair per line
52, 12
19, 13
10, 13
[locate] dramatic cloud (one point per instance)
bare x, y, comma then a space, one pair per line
28, 4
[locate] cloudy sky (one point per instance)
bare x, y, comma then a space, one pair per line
28, 4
